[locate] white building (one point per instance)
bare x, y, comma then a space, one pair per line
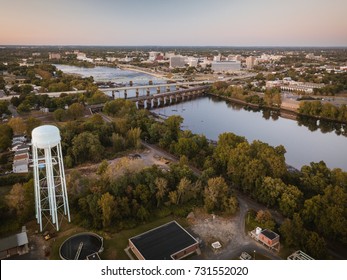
178, 61
153, 56
226, 66
250, 62
54, 55
192, 61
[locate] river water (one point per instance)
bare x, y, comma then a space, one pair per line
212, 116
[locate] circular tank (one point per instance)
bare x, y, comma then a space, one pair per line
45, 136
80, 246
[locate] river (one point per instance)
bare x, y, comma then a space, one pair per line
212, 116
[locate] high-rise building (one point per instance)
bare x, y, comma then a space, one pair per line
250, 62
178, 61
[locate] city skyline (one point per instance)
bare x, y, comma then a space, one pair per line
298, 23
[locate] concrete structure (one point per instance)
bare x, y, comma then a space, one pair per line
299, 255
13, 245
49, 176
226, 66
250, 62
167, 242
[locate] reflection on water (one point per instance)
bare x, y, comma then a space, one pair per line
305, 140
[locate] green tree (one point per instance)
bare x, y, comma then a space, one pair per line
86, 146
6, 134
102, 167
59, 115
118, 142
161, 185
216, 194
21, 200
265, 220
133, 137
32, 123
75, 111
108, 205
290, 201
18, 125
270, 190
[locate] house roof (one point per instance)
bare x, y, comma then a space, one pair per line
162, 242
13, 241
269, 234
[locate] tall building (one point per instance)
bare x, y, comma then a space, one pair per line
178, 61
250, 62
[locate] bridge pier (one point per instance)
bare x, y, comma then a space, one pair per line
125, 94
148, 92
158, 90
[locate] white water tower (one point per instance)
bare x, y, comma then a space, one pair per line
51, 202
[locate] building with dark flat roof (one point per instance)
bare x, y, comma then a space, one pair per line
167, 242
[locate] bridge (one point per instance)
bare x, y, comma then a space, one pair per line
169, 97
159, 88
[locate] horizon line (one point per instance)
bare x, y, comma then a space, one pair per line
149, 45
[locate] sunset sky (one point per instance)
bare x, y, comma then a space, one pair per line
174, 22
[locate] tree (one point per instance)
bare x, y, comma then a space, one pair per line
59, 115
108, 205
32, 123
182, 190
270, 190
102, 167
21, 200
18, 125
265, 220
86, 146
6, 134
290, 201
315, 178
75, 111
133, 137
118, 142
216, 194
161, 189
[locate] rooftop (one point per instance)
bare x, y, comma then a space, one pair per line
269, 234
162, 242
13, 241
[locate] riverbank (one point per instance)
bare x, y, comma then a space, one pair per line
141, 70
286, 111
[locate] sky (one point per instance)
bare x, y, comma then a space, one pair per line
174, 22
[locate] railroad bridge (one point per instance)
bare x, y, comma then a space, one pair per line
169, 97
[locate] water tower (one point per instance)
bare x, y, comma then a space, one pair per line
51, 202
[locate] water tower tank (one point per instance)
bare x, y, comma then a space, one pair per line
51, 200
45, 136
